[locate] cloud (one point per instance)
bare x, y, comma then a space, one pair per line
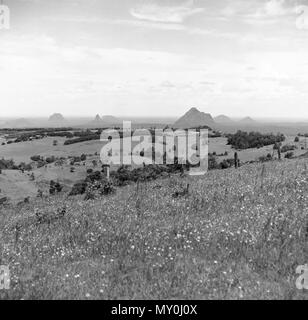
168, 14
148, 24
165, 26
256, 12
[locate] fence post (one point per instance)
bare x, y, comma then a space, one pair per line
108, 172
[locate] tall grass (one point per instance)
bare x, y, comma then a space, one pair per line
237, 234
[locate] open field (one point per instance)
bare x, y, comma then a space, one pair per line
21, 152
17, 185
237, 234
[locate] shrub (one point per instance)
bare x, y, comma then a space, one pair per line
287, 148
4, 200
78, 188
41, 163
6, 164
289, 155
82, 139
36, 158
225, 164
25, 167
213, 163
50, 159
268, 157
94, 176
107, 188
55, 187
244, 140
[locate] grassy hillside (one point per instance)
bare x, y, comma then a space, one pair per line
236, 234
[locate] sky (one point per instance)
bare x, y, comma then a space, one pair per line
155, 58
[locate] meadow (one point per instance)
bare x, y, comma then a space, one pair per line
236, 234
17, 185
23, 151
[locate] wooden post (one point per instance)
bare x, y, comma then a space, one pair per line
106, 167
279, 152
108, 172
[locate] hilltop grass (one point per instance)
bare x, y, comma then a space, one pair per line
237, 234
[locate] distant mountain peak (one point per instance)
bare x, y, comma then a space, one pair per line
56, 117
104, 121
17, 123
193, 110
247, 120
194, 118
222, 119
111, 119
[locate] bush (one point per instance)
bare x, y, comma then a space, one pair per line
244, 140
25, 167
82, 139
4, 200
225, 164
287, 148
213, 163
36, 158
289, 155
78, 188
107, 189
94, 176
55, 187
268, 157
6, 164
41, 163
50, 159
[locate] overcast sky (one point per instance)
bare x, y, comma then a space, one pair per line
154, 58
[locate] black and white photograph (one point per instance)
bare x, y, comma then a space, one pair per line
154, 150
